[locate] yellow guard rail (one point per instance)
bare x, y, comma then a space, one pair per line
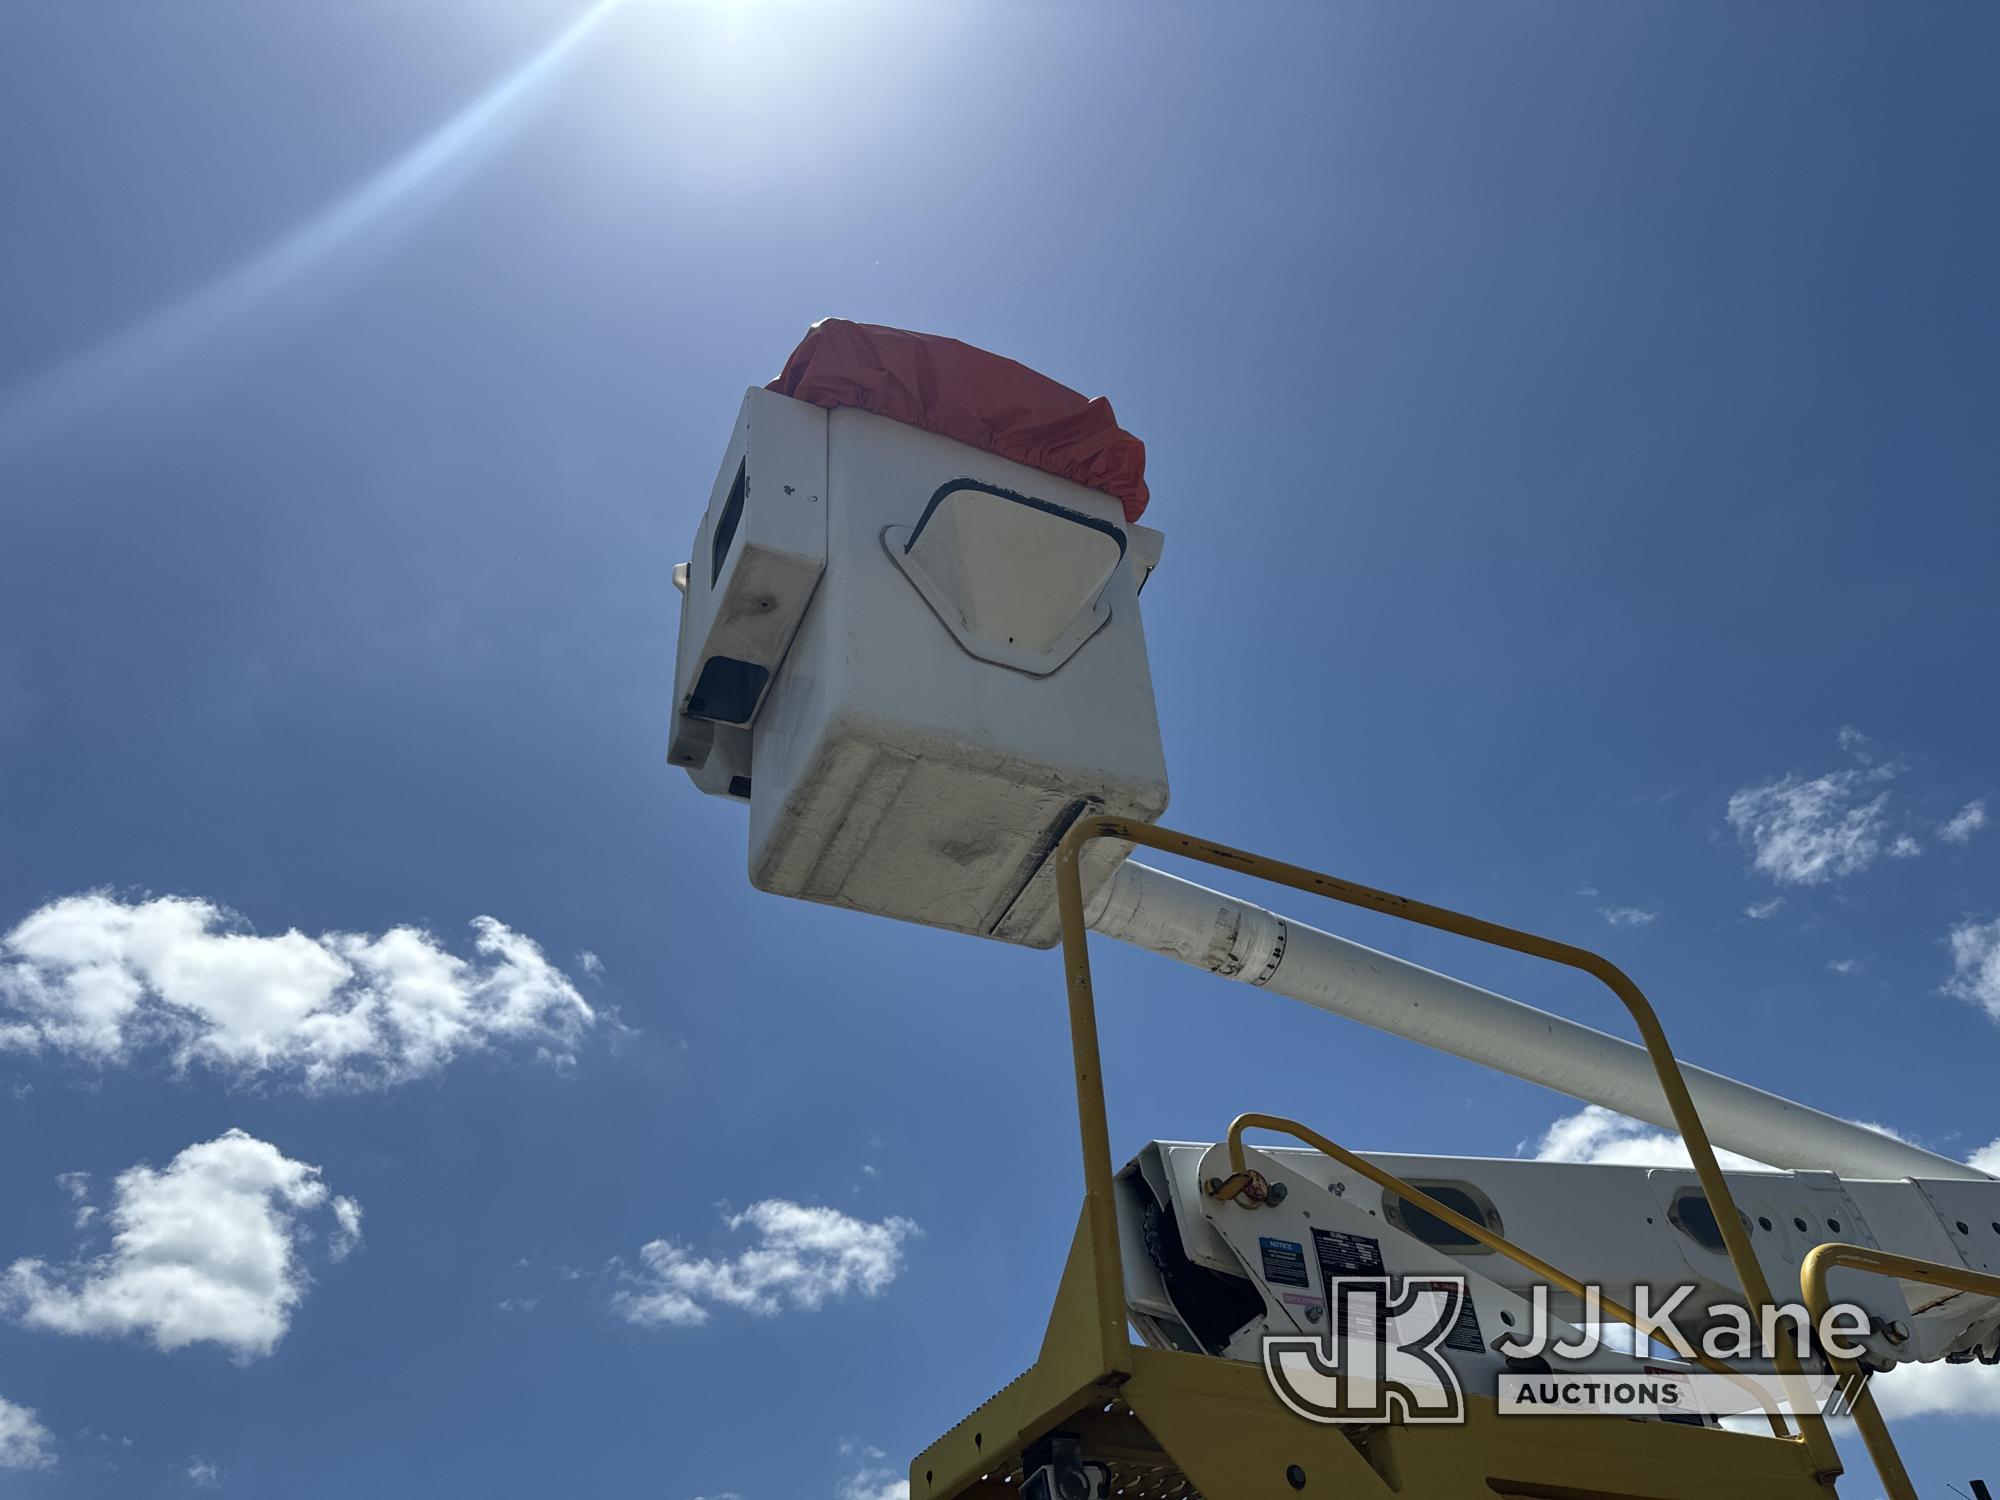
1819, 1263
1100, 1208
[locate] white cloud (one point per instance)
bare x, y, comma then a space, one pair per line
1975, 959
1905, 847
1963, 824
1596, 1134
1939, 1389
1763, 911
204, 1474
1843, 965
874, 1483
107, 980
803, 1258
1628, 916
1603, 1136
24, 1442
207, 1250
77, 1186
346, 1229
590, 963
1986, 1158
1853, 741
1807, 832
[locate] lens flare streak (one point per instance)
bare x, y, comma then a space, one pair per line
150, 347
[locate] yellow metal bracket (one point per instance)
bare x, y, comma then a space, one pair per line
1819, 1264
1100, 1215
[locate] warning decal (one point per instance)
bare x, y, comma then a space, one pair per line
1464, 1335
1347, 1254
1340, 1255
1284, 1262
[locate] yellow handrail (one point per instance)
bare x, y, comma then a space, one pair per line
1819, 1263
1100, 1208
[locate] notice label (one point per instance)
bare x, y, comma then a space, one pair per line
1284, 1262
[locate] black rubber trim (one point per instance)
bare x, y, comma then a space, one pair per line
1051, 836
954, 485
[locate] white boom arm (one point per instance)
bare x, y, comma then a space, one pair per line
1240, 940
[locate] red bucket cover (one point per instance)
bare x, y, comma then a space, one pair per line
960, 392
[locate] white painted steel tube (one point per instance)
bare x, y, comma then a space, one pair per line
1239, 940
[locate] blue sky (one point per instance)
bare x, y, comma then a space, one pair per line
1569, 422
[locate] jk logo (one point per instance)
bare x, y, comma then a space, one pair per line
1378, 1361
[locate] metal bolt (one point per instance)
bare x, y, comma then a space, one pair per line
1295, 1477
